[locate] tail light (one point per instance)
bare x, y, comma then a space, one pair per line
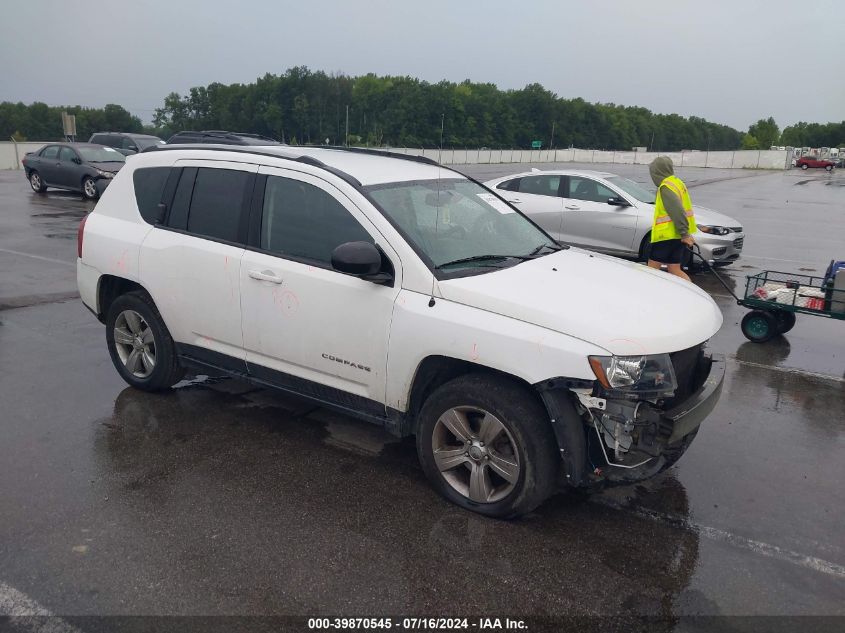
80, 234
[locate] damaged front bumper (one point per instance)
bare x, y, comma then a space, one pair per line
628, 439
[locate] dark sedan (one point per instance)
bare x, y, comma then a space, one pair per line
82, 167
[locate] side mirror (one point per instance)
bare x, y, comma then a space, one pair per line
361, 259
617, 202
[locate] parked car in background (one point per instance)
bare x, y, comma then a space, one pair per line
221, 137
609, 213
805, 162
399, 291
124, 142
82, 167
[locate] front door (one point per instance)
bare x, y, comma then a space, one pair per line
589, 221
306, 326
69, 173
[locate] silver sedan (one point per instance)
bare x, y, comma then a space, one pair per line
608, 213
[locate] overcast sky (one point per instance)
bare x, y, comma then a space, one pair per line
731, 62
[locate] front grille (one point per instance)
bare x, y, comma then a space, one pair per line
738, 242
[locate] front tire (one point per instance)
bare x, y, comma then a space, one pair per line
89, 188
759, 326
804, 166
487, 445
140, 346
37, 183
828, 167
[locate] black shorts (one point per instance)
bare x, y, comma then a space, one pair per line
668, 251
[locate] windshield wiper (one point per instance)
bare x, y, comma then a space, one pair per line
555, 248
481, 258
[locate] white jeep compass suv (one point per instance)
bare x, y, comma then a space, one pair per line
406, 294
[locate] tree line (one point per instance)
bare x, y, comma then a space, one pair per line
312, 107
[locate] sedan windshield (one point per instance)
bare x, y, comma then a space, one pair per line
460, 225
144, 143
100, 155
641, 193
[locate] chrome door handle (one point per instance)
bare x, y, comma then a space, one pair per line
572, 207
265, 275
515, 201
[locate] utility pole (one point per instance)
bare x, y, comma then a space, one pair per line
552, 142
347, 126
442, 123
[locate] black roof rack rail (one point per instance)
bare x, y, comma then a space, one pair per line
380, 152
241, 149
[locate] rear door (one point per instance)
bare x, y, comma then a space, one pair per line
191, 263
537, 197
589, 221
307, 326
47, 164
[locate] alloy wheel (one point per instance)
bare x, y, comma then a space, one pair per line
476, 454
135, 343
35, 182
90, 188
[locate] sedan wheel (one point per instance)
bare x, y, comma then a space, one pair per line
89, 188
36, 183
475, 454
804, 166
135, 344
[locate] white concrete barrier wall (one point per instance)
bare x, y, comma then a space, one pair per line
740, 159
9, 159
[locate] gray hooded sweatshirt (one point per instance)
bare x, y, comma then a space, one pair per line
660, 168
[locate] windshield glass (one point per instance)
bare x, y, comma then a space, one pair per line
100, 155
456, 219
640, 192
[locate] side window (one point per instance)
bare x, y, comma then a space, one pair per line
217, 203
99, 139
540, 185
149, 185
112, 140
510, 185
127, 143
301, 220
178, 216
51, 151
588, 190
66, 154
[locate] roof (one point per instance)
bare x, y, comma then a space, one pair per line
369, 167
559, 172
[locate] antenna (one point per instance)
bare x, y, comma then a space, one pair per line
437, 217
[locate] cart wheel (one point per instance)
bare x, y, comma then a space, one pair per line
785, 320
759, 326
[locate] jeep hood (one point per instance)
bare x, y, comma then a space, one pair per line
624, 307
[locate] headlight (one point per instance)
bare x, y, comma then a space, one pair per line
637, 374
714, 230
105, 174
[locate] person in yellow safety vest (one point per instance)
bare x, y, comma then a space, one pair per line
674, 221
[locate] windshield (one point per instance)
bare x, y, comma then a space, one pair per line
641, 193
100, 155
455, 219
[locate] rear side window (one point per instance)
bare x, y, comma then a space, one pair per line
99, 139
149, 185
510, 185
303, 221
50, 152
217, 203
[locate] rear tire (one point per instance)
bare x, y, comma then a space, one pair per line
487, 445
645, 248
759, 326
785, 320
829, 168
140, 346
36, 182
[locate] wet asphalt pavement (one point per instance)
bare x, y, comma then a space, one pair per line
220, 498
